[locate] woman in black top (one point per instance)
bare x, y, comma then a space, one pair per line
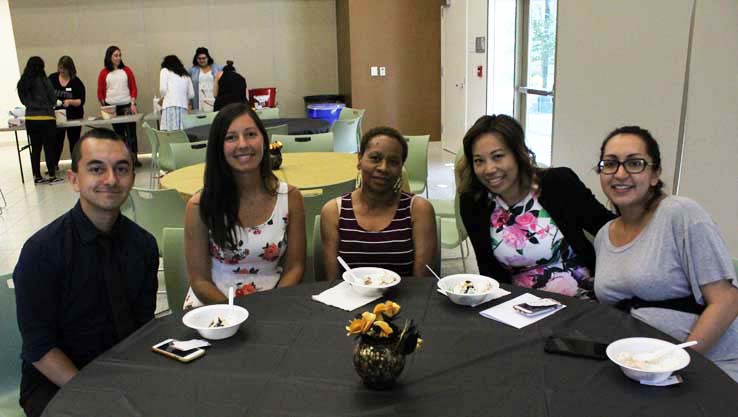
71, 92
230, 87
526, 224
37, 94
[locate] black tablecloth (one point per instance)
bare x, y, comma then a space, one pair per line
295, 126
292, 358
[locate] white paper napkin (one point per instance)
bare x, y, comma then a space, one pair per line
343, 297
505, 313
498, 293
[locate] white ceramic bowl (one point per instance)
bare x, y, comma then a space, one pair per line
370, 290
448, 283
672, 362
200, 319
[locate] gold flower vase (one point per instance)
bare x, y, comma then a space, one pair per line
275, 158
377, 362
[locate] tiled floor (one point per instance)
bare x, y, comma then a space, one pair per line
30, 207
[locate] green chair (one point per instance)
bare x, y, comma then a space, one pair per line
268, 113
175, 267
445, 208
157, 209
346, 135
437, 259
10, 349
314, 202
166, 138
154, 143
321, 142
349, 113
417, 163
277, 130
186, 154
198, 119
454, 234
127, 209
318, 266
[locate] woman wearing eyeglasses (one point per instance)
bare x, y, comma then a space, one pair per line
526, 224
663, 259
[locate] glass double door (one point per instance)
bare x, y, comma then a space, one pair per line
521, 62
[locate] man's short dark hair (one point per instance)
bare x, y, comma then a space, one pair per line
96, 133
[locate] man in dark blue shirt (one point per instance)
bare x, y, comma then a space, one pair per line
88, 279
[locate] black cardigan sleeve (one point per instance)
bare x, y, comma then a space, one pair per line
475, 215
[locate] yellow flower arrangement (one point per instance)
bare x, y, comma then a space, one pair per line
379, 325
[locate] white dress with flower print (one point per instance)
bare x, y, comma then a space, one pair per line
527, 242
254, 265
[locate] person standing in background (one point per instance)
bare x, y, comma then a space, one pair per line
230, 87
175, 87
71, 92
116, 86
37, 94
203, 73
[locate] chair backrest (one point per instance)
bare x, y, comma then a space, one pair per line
349, 113
153, 140
437, 258
268, 113
314, 202
345, 135
457, 211
198, 119
166, 138
186, 154
318, 265
321, 142
157, 209
10, 340
127, 209
277, 130
175, 267
417, 159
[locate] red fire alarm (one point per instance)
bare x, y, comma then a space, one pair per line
480, 71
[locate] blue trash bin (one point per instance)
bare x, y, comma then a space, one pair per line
325, 111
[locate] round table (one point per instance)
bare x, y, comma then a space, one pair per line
303, 170
295, 126
292, 358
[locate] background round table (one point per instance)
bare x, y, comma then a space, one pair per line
303, 170
295, 126
292, 358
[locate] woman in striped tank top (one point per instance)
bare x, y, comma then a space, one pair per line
377, 224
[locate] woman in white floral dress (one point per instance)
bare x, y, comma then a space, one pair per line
245, 229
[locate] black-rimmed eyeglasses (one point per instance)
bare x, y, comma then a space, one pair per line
632, 166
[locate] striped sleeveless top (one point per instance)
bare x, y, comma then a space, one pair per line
391, 248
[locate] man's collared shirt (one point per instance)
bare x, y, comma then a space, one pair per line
62, 295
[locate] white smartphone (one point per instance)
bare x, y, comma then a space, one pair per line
167, 349
534, 308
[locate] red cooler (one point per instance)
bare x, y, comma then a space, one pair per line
263, 97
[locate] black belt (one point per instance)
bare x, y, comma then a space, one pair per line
685, 304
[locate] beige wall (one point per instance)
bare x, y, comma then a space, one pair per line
405, 37
288, 44
710, 160
626, 62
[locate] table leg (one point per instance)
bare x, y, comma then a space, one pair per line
20, 163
